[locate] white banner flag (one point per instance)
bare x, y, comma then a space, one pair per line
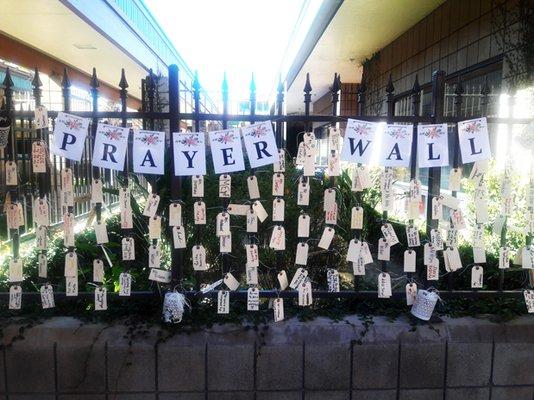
396, 146
226, 151
110, 147
189, 154
432, 146
260, 144
358, 141
474, 140
69, 136
148, 152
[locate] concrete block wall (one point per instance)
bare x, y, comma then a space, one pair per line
457, 359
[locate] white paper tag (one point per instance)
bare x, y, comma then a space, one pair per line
160, 275
409, 260
384, 250
455, 177
527, 257
11, 173
253, 188
197, 186
15, 297
412, 234
453, 258
222, 224
225, 243
68, 229
278, 238
358, 268
333, 166
389, 234
154, 255
199, 258
449, 201
98, 271
278, 210
47, 296
309, 165
278, 184
330, 217
305, 296
125, 208
15, 271
252, 221
259, 210
253, 299
384, 285
280, 165
39, 157
301, 257
41, 238
278, 309
477, 273
125, 284
175, 214
282, 280
411, 293
365, 253
41, 212
479, 255
498, 224
101, 232
437, 208
429, 253
41, 117
238, 209
432, 270
42, 266
300, 276
101, 299
504, 258
457, 219
529, 300
353, 252
303, 192
303, 229
71, 264
97, 195
436, 239
478, 236
326, 238
151, 206
253, 259
71, 286
386, 188
67, 190
223, 302
128, 249
332, 278
329, 199
225, 186
199, 211
356, 218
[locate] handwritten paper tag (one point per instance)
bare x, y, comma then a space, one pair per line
384, 285
101, 232
223, 302
278, 309
253, 188
411, 293
97, 195
455, 178
282, 280
98, 271
504, 258
278, 184
41, 215
238, 209
15, 271
15, 297
225, 243
389, 234
39, 157
409, 260
432, 270
125, 208
384, 250
128, 249
332, 277
309, 165
453, 257
101, 299
199, 211
160, 275
412, 234
436, 239
479, 255
41, 237
301, 257
175, 214
278, 238
71, 286
197, 186
125, 283
42, 265
278, 210
199, 258
326, 238
280, 165
151, 206
527, 257
354, 249
154, 256
251, 275
11, 173
477, 273
305, 296
253, 259
429, 253
303, 192
356, 218
303, 227
252, 221
259, 210
71, 264
253, 299
47, 296
330, 217
300, 276
68, 229
529, 300
222, 224
225, 186
329, 199
41, 117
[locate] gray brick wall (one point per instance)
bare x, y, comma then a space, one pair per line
457, 359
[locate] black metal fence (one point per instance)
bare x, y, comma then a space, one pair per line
23, 134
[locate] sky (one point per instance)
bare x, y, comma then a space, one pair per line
240, 37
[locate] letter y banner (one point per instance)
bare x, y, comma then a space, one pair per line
227, 151
69, 136
111, 143
358, 142
189, 154
260, 144
148, 152
474, 140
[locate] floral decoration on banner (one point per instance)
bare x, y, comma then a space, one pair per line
189, 141
473, 126
433, 132
73, 123
398, 133
258, 131
114, 134
150, 139
361, 129
226, 138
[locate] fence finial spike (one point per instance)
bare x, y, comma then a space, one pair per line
224, 85
8, 82
338, 81
94, 80
196, 83
459, 89
485, 90
123, 84
65, 82
416, 87
280, 87
252, 86
307, 86
335, 83
389, 87
36, 81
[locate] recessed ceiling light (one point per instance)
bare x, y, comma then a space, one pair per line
84, 46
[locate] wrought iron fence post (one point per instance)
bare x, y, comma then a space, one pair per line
176, 181
390, 101
416, 101
94, 122
361, 99
225, 200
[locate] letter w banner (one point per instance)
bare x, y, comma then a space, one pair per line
189, 154
396, 146
69, 136
358, 141
227, 151
111, 143
474, 140
260, 144
432, 146
148, 152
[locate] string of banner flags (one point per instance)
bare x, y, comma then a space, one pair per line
360, 141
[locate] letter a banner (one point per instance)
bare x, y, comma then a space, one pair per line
226, 151
148, 150
432, 146
189, 154
111, 143
358, 141
396, 146
474, 140
69, 136
260, 144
